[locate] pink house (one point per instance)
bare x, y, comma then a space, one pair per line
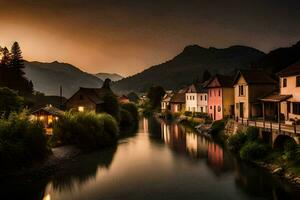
220, 97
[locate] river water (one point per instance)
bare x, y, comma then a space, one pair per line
160, 161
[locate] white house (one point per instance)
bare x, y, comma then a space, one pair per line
196, 98
165, 103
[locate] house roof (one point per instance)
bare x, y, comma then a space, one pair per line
178, 97
49, 109
292, 70
254, 77
275, 97
196, 88
167, 97
223, 80
96, 94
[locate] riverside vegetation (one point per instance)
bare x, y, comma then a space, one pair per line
23, 141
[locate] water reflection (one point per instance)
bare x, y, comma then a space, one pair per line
161, 161
184, 140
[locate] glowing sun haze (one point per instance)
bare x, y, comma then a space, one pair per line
127, 36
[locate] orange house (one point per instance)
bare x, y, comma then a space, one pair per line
220, 97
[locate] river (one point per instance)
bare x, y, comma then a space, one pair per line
160, 161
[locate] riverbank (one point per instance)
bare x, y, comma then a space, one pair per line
55, 162
287, 171
280, 172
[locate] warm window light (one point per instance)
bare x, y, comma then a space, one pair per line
41, 117
80, 108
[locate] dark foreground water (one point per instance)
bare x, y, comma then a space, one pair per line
160, 161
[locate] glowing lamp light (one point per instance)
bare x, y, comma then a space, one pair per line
80, 108
47, 197
41, 117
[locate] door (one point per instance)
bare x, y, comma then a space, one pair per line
242, 110
214, 112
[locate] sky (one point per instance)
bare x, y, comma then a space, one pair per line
128, 36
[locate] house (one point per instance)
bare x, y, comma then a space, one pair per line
165, 103
220, 97
196, 98
290, 87
177, 101
249, 87
89, 99
47, 115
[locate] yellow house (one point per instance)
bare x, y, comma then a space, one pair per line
249, 87
290, 85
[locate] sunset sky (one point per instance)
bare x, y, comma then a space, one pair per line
128, 36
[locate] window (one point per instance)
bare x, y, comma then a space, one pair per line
187, 97
296, 108
201, 108
193, 97
297, 81
219, 93
241, 90
284, 82
210, 107
205, 97
201, 97
219, 108
80, 108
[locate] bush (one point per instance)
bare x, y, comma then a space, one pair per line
236, 142
126, 118
111, 106
132, 109
253, 151
9, 102
86, 130
21, 141
252, 133
217, 127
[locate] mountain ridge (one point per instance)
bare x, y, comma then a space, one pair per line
47, 77
190, 65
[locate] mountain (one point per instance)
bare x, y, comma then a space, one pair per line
48, 77
189, 65
280, 58
113, 77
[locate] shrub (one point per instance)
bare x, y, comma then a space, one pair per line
132, 109
111, 106
252, 133
297, 154
126, 118
21, 140
9, 102
86, 130
236, 142
253, 151
216, 127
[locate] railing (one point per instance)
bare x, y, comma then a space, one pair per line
269, 126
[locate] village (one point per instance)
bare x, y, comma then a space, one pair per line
250, 98
149, 100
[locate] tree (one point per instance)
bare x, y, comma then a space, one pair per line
11, 71
133, 97
17, 59
206, 76
155, 95
10, 101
